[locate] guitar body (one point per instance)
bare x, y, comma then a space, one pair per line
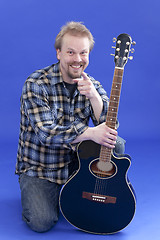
98, 204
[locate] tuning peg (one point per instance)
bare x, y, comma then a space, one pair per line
116, 56
132, 50
114, 39
130, 58
133, 43
113, 47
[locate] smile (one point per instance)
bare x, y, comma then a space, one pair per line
76, 66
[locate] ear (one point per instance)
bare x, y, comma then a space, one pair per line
58, 53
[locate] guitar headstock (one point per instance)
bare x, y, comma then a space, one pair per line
122, 49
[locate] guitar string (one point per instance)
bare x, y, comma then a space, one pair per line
102, 180
100, 185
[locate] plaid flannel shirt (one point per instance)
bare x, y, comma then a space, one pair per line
50, 121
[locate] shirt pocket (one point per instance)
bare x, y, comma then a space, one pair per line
82, 113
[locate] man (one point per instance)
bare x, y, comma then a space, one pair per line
56, 105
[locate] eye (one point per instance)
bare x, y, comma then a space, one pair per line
84, 53
70, 52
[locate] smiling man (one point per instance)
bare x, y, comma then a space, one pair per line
73, 56
56, 105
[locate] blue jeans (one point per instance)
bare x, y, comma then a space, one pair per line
40, 198
120, 145
40, 205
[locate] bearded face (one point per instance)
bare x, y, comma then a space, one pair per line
73, 56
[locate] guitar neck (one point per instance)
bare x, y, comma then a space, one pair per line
112, 113
111, 119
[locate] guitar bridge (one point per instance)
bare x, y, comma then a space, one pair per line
98, 198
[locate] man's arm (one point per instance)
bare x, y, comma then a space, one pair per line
36, 106
86, 87
100, 134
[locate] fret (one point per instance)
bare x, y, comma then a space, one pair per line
112, 118
105, 154
115, 92
113, 104
116, 85
114, 97
113, 115
112, 109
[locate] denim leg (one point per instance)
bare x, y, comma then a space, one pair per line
120, 145
39, 198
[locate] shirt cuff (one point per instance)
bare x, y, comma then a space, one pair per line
80, 128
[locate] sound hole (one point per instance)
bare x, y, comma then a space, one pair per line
102, 169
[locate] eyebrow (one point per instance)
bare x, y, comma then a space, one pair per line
70, 49
83, 50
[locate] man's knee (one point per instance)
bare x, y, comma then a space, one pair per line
120, 145
39, 199
40, 223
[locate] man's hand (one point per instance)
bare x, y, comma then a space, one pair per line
100, 134
104, 135
85, 86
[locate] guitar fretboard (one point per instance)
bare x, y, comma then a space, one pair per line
105, 153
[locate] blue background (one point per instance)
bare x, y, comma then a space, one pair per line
28, 29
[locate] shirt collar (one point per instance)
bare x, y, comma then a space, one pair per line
54, 74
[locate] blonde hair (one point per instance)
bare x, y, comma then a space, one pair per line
75, 29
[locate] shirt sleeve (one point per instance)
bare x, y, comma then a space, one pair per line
105, 100
42, 118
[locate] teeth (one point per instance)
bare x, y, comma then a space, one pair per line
76, 66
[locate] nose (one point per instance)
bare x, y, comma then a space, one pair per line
77, 58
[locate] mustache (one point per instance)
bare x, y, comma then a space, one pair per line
81, 63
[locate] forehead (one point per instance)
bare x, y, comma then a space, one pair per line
77, 42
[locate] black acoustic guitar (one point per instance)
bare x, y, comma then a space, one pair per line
99, 198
